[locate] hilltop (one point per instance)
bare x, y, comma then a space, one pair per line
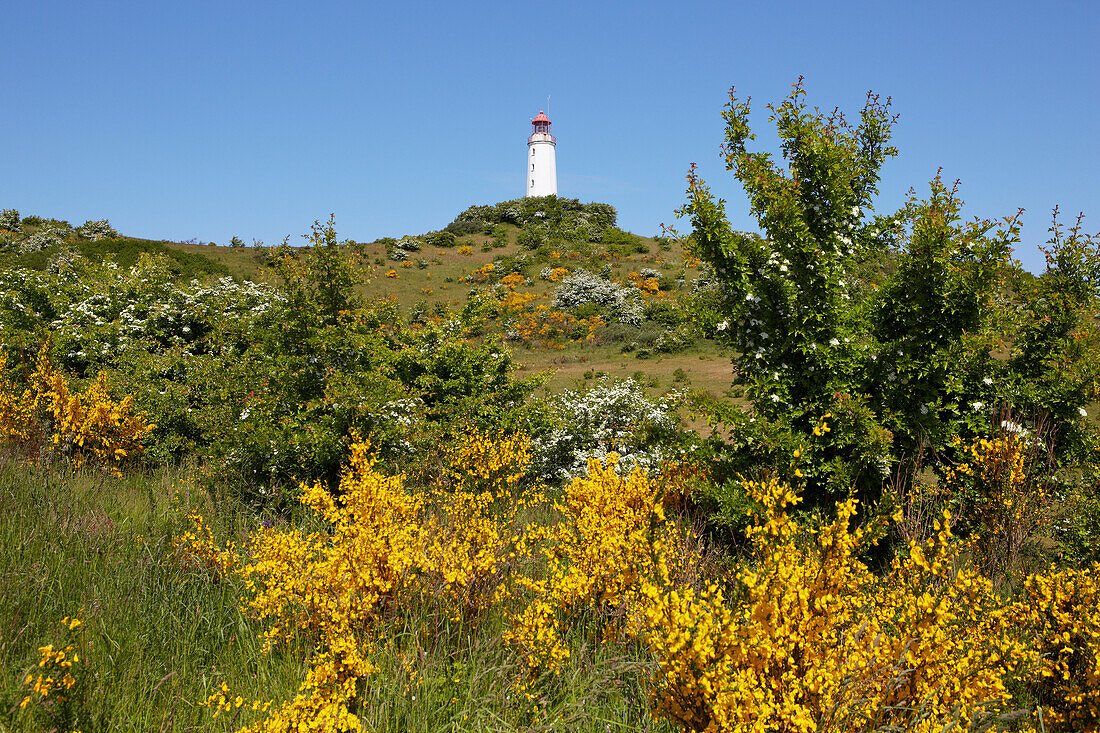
524, 249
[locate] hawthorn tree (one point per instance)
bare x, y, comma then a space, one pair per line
884, 329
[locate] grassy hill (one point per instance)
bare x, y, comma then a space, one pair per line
426, 276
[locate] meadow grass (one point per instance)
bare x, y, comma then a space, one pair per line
155, 637
158, 639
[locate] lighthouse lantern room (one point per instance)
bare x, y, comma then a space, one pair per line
542, 168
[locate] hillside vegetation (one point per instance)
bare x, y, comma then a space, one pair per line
504, 476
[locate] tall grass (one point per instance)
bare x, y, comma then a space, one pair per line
155, 638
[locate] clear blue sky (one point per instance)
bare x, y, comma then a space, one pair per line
209, 119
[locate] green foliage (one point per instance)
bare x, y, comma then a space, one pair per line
445, 239
99, 229
531, 237
465, 228
888, 323
154, 633
42, 222
1054, 366
562, 218
125, 253
9, 220
319, 279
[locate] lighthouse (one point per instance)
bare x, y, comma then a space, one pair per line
542, 168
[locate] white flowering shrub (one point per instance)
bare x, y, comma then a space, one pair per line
906, 331
610, 417
64, 260
40, 240
581, 287
9, 220
100, 229
95, 312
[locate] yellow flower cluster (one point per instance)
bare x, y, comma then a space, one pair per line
556, 274
17, 409
803, 636
606, 544
382, 550
809, 639
196, 550
546, 327
1062, 610
1006, 499
57, 666
799, 636
88, 425
517, 301
488, 462
482, 274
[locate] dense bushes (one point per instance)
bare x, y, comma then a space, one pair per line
907, 358
608, 417
880, 541
269, 383
581, 288
547, 216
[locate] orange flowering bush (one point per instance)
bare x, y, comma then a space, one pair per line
517, 301
549, 328
644, 283
511, 281
482, 274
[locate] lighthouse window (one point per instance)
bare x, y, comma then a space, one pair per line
532, 166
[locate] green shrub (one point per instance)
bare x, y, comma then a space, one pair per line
444, 239
902, 356
468, 227
9, 221
530, 238
566, 219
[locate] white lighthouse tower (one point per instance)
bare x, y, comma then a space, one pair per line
542, 167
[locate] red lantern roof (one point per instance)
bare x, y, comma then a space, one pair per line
541, 118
